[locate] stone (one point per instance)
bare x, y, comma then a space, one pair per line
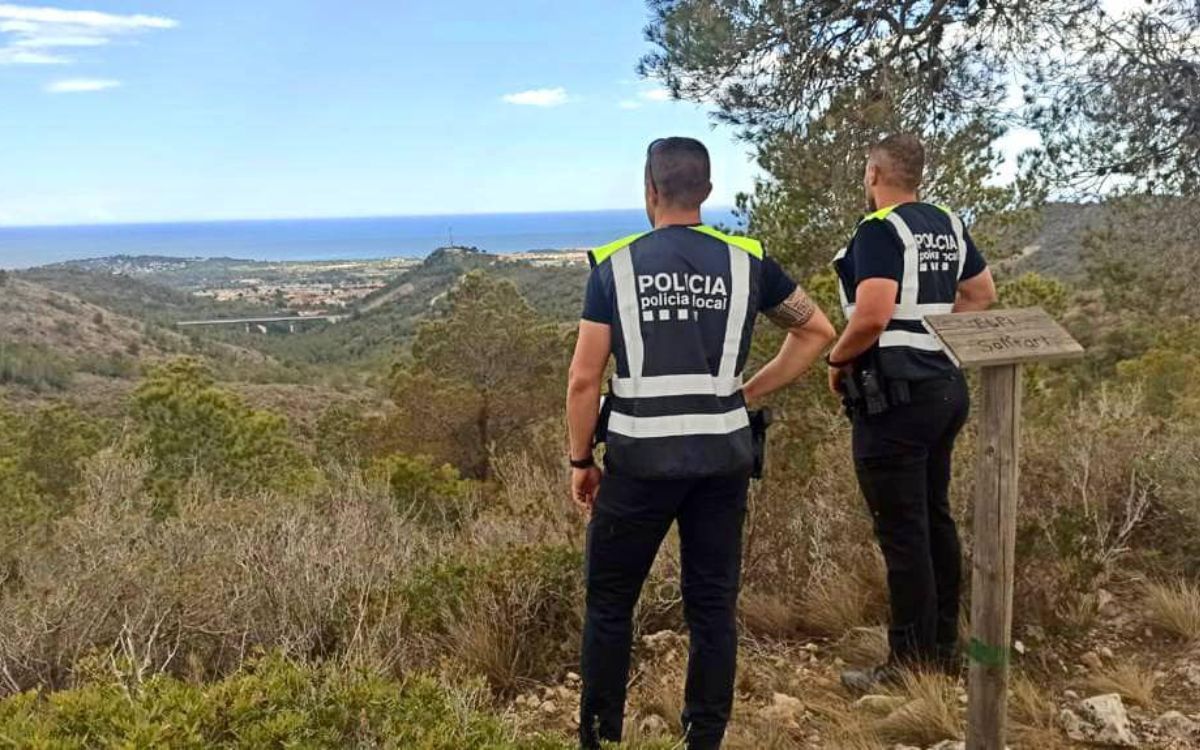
661, 641
783, 709
572, 678
549, 708
1072, 725
1019, 647
1106, 714
1107, 653
1175, 725
652, 725
1092, 661
879, 704
1071, 695
950, 745
1191, 673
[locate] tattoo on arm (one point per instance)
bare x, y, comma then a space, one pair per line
794, 311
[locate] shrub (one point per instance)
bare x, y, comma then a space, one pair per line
189, 426
272, 702
428, 492
33, 367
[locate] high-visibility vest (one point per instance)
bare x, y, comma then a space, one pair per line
686, 300
906, 330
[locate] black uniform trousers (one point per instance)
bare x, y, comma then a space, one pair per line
903, 461
629, 521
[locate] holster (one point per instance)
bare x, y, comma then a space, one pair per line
868, 391
760, 420
601, 433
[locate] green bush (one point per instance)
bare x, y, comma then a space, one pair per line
272, 703
189, 425
33, 367
431, 493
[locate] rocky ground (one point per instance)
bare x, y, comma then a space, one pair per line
1127, 687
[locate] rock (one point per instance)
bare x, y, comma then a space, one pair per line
950, 745
1072, 725
1106, 603
879, 704
904, 747
1019, 647
562, 692
1071, 695
1107, 653
663, 640
1175, 725
549, 708
1191, 673
1106, 713
573, 679
652, 726
783, 709
1092, 661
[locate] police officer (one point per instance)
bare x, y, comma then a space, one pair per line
675, 308
907, 400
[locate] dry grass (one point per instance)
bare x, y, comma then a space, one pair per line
661, 693
864, 646
846, 598
1174, 608
765, 614
1130, 681
1033, 716
931, 714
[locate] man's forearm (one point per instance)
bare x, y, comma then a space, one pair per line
583, 410
799, 350
858, 337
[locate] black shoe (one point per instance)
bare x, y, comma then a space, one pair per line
863, 681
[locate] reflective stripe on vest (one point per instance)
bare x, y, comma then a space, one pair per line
677, 425
909, 308
727, 381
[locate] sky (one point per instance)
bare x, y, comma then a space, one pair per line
165, 110
162, 110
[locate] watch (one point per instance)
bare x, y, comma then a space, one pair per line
836, 365
583, 463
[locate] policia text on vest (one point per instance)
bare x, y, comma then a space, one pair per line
906, 400
675, 309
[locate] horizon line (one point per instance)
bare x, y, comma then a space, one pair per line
349, 217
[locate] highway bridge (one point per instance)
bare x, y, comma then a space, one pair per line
262, 322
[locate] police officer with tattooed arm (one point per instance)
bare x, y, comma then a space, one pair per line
906, 399
675, 308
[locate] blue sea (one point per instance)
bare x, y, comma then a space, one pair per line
325, 239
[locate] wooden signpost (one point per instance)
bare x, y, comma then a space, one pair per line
998, 343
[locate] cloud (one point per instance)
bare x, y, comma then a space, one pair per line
31, 35
629, 104
655, 95
554, 97
80, 85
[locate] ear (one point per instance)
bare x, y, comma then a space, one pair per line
872, 173
707, 193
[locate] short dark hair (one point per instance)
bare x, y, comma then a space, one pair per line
680, 170
903, 161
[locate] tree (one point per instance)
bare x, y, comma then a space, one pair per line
188, 425
1117, 102
479, 373
811, 86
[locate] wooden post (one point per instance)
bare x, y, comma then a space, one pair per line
995, 533
998, 343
